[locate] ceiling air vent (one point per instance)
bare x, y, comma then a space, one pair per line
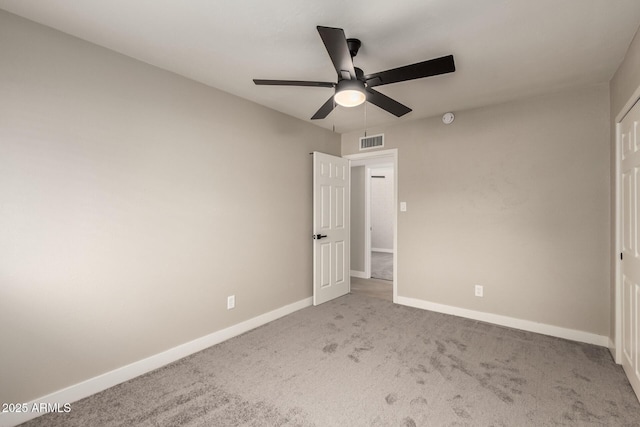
374, 141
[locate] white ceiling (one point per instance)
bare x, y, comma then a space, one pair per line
504, 49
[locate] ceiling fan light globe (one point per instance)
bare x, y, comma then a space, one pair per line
350, 93
349, 98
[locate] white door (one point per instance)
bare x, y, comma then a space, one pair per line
331, 267
630, 140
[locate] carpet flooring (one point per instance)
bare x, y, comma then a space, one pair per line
361, 361
381, 265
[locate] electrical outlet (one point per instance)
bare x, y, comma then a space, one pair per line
479, 290
231, 302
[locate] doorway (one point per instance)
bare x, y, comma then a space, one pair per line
374, 269
381, 206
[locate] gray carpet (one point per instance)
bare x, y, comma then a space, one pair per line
381, 265
361, 361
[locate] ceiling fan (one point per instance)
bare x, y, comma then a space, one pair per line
353, 86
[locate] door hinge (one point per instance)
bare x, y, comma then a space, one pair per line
621, 256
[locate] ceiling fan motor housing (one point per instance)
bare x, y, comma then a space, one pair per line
354, 46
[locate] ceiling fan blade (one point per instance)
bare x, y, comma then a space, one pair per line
386, 103
432, 67
324, 111
336, 44
292, 83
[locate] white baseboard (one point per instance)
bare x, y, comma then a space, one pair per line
511, 322
360, 274
135, 369
388, 251
612, 350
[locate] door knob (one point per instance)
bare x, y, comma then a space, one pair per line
319, 236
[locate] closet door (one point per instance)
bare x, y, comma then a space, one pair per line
630, 141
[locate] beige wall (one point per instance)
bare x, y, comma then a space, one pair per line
627, 78
358, 178
622, 88
513, 197
132, 203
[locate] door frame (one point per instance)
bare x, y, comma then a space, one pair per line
392, 156
616, 346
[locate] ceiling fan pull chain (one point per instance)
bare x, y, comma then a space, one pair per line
333, 118
365, 119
